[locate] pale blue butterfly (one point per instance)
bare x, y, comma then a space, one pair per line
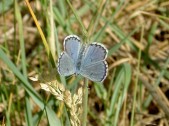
86, 60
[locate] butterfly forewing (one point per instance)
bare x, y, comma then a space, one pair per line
72, 46
94, 53
95, 72
65, 65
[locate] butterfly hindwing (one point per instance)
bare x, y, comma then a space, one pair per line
65, 64
95, 72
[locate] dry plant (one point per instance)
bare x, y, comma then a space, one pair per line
72, 101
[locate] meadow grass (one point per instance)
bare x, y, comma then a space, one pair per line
135, 92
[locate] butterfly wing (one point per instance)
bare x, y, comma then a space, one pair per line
72, 46
94, 65
95, 72
94, 53
65, 64
68, 58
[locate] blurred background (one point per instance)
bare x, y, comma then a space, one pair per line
136, 33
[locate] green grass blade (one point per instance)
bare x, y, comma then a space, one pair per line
8, 122
58, 17
114, 98
85, 103
136, 88
5, 5
79, 20
51, 30
25, 83
52, 121
166, 25
127, 79
7, 116
162, 73
58, 52
73, 86
151, 35
122, 96
111, 85
95, 20
117, 112
123, 77
21, 38
97, 36
27, 86
62, 8
117, 46
100, 91
28, 113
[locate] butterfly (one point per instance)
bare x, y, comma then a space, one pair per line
86, 60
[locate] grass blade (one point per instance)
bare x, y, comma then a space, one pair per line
50, 115
79, 20
28, 113
27, 86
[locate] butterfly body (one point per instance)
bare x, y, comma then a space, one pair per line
86, 60
80, 59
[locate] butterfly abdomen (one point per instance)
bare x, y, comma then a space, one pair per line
79, 60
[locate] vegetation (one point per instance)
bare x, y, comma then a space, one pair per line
136, 90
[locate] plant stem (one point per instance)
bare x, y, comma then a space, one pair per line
85, 102
78, 19
136, 82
